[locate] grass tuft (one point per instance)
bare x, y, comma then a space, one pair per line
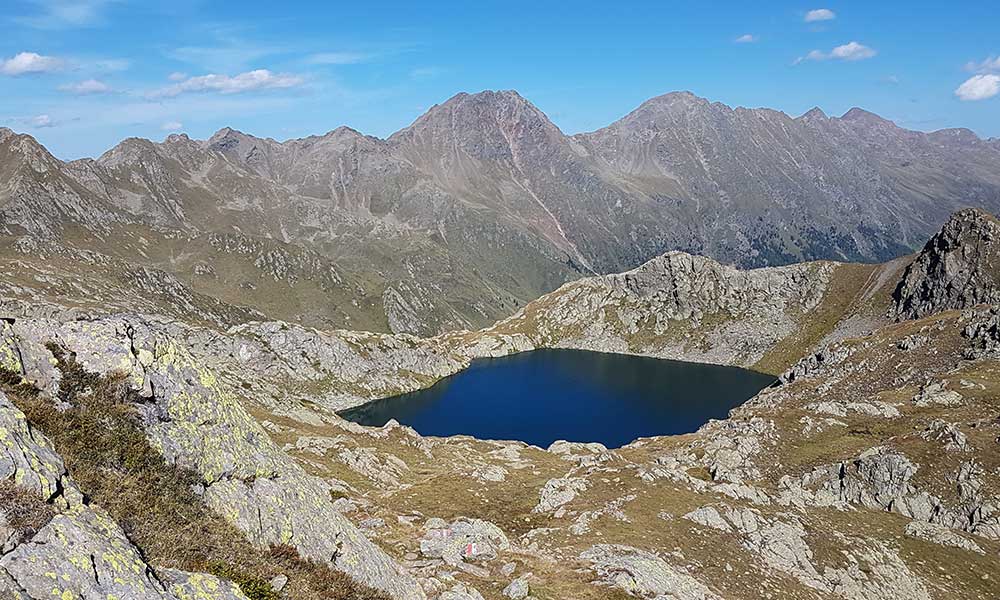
105, 449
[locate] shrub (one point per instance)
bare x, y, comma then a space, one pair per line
23, 510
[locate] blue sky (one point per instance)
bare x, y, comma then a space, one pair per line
80, 75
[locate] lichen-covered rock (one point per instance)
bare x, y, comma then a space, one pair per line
644, 574
463, 540
195, 422
780, 544
83, 553
198, 586
28, 458
875, 572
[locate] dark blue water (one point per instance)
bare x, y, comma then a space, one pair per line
546, 395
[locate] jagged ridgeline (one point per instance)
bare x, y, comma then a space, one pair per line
145, 457
477, 208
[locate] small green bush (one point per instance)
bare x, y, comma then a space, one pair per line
252, 587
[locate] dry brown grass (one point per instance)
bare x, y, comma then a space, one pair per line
110, 459
23, 510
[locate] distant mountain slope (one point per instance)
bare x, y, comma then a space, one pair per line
483, 204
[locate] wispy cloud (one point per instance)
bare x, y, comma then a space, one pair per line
746, 38
979, 87
820, 14
86, 87
226, 57
989, 65
36, 122
29, 62
172, 126
42, 121
851, 51
65, 14
260, 79
338, 58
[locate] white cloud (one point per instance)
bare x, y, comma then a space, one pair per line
979, 87
64, 14
820, 14
41, 121
29, 62
746, 38
172, 126
86, 87
990, 65
177, 76
851, 51
337, 58
260, 79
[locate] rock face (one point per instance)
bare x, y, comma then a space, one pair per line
81, 552
644, 574
958, 268
198, 425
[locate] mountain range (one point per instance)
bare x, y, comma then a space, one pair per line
477, 208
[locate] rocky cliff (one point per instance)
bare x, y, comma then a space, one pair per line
959, 267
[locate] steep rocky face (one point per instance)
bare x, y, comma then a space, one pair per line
958, 268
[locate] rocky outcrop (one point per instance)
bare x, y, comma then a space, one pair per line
677, 306
958, 268
80, 552
197, 424
644, 574
472, 540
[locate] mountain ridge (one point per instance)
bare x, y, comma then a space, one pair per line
482, 203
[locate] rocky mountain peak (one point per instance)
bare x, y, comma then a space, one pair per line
814, 114
129, 151
958, 268
227, 139
665, 106
866, 118
469, 114
955, 135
